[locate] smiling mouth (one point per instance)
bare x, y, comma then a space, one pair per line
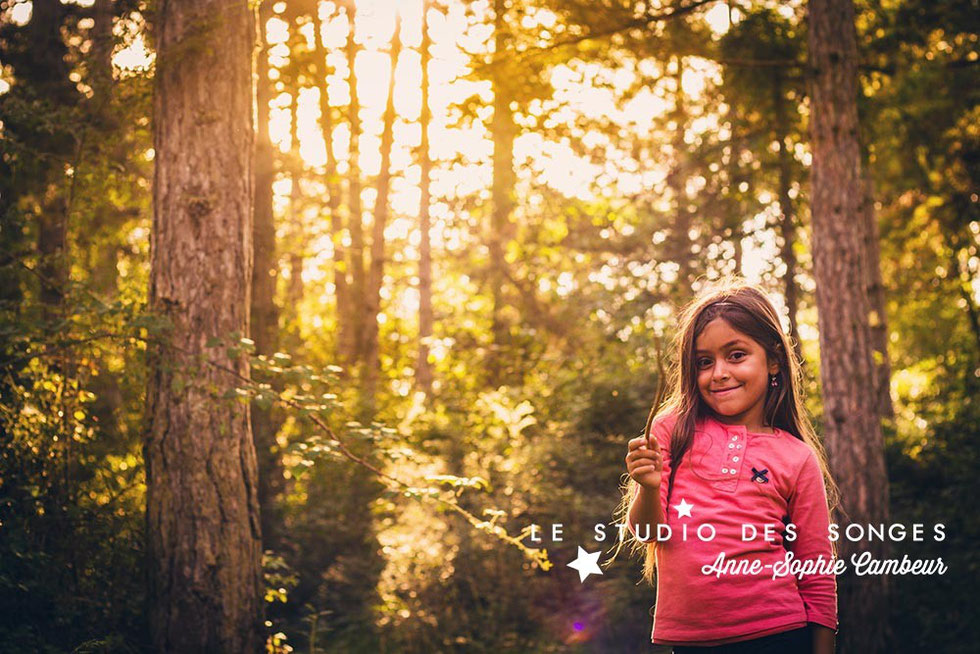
725, 391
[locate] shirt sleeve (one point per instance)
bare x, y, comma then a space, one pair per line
808, 511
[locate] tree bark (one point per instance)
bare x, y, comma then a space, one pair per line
203, 532
423, 369
264, 312
852, 424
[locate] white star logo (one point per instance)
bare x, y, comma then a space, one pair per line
586, 564
683, 509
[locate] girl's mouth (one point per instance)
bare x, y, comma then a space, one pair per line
726, 392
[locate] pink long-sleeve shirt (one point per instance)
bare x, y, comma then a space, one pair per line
728, 478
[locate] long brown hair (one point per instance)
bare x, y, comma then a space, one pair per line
747, 309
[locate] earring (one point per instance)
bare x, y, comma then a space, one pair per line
774, 381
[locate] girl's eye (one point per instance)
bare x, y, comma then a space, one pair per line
738, 356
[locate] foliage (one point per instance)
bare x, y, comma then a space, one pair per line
411, 531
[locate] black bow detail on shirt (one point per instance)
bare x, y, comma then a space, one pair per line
760, 475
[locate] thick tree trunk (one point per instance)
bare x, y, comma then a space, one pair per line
503, 131
852, 425
264, 312
372, 350
355, 344
203, 533
339, 256
423, 369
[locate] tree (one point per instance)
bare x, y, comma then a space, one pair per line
423, 369
852, 425
372, 351
203, 533
264, 310
766, 100
332, 182
504, 131
354, 347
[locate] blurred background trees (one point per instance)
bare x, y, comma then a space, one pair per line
473, 224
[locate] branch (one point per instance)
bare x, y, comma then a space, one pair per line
643, 21
536, 556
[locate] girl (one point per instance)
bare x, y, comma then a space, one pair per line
728, 473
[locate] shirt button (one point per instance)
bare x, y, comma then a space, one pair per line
725, 470
734, 458
734, 438
733, 471
739, 446
731, 446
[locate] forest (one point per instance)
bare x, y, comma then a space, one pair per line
324, 324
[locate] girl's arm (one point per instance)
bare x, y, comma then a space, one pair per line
823, 639
647, 506
808, 511
645, 509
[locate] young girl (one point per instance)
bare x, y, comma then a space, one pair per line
733, 448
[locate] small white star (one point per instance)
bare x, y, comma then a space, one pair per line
586, 564
683, 509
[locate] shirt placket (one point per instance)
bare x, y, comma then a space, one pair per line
731, 464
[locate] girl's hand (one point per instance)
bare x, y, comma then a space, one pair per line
644, 462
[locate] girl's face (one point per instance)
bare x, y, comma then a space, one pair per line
733, 373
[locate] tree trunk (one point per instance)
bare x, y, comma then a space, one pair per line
50, 75
339, 256
101, 57
964, 286
423, 369
52, 252
735, 177
297, 233
372, 351
202, 513
355, 346
876, 296
503, 131
679, 242
852, 425
264, 312
787, 219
